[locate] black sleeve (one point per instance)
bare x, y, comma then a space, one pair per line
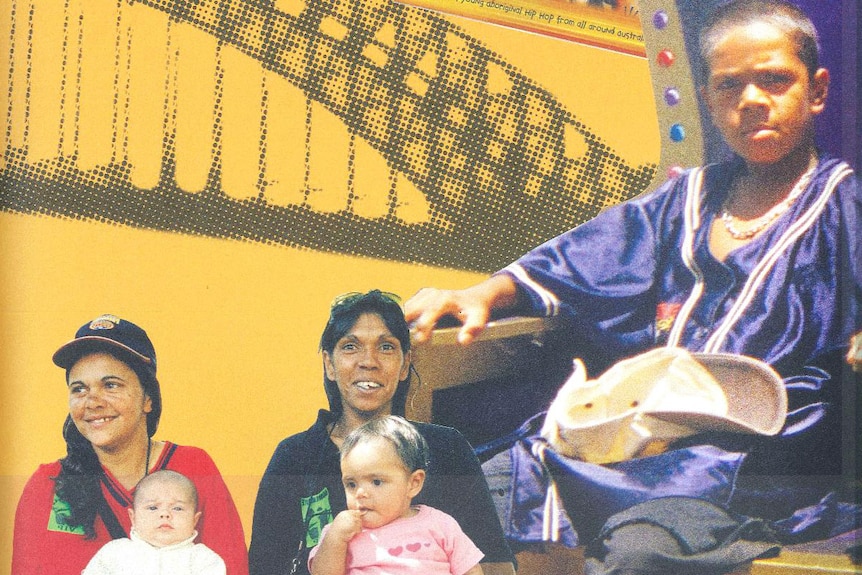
457, 486
277, 527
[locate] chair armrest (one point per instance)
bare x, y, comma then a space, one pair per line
442, 362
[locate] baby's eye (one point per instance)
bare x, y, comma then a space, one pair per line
179, 508
350, 485
151, 508
377, 482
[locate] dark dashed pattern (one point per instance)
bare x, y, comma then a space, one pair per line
502, 164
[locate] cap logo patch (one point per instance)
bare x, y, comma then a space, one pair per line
105, 322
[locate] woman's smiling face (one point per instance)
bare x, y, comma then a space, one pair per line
106, 401
367, 363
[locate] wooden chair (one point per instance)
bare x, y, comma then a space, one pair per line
498, 356
502, 353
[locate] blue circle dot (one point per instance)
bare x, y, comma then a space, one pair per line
671, 96
677, 132
660, 19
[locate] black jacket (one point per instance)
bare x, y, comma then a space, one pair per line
305, 468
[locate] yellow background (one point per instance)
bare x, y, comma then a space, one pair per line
236, 324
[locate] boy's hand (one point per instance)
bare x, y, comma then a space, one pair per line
346, 525
430, 305
471, 307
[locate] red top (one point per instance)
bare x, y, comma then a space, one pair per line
44, 544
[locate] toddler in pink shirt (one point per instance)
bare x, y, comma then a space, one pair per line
383, 468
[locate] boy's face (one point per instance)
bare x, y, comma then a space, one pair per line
164, 514
377, 483
760, 95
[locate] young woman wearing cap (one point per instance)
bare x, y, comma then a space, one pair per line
366, 360
71, 507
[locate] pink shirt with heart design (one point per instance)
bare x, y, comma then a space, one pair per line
431, 543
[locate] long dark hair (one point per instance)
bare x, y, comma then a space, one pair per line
343, 316
79, 481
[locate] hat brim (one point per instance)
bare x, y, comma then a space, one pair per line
756, 397
71, 351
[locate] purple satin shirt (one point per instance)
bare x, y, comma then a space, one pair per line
640, 275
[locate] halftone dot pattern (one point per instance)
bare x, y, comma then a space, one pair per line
501, 163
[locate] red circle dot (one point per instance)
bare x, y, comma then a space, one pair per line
665, 58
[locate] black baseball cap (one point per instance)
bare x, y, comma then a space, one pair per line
107, 330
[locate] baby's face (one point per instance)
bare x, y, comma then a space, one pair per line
164, 514
377, 483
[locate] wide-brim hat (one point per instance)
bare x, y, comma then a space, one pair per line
643, 403
755, 394
107, 330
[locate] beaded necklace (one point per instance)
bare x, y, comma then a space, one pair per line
766, 219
